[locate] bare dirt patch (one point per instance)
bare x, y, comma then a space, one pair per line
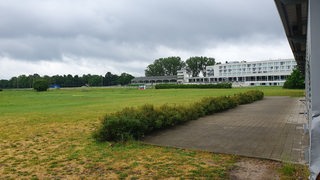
255, 169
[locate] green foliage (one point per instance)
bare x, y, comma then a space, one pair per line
134, 123
41, 85
249, 97
212, 105
110, 79
0, 89
125, 79
120, 128
69, 80
191, 86
295, 80
165, 67
293, 171
195, 65
288, 169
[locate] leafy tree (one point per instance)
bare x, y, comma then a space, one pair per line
68, 81
197, 64
95, 80
125, 79
41, 85
165, 67
14, 83
295, 80
110, 79
30, 81
4, 83
23, 81
77, 81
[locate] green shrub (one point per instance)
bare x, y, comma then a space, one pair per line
0, 89
193, 86
41, 85
134, 123
171, 115
195, 111
295, 80
249, 96
120, 128
148, 115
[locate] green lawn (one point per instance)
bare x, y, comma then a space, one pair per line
48, 135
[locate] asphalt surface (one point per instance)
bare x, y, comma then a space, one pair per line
271, 129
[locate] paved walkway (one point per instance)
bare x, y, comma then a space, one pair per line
271, 128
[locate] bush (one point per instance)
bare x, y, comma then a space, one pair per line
120, 128
212, 105
134, 123
0, 89
41, 85
295, 80
193, 86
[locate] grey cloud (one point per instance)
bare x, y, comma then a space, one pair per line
126, 30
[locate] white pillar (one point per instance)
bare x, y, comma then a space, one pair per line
313, 85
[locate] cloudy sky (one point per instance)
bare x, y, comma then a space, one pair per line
51, 37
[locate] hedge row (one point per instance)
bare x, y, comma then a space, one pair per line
190, 86
134, 123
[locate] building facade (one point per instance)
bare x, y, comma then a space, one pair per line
257, 73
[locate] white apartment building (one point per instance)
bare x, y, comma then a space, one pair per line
256, 73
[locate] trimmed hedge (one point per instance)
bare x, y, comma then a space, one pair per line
194, 86
134, 123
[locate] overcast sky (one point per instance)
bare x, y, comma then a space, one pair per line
51, 37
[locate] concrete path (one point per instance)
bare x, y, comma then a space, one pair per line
271, 128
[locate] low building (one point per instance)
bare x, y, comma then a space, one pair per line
154, 80
256, 73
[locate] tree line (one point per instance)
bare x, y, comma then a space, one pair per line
160, 67
170, 65
109, 79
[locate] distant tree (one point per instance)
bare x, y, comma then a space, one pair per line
125, 79
36, 76
197, 64
110, 79
165, 67
4, 83
77, 81
30, 81
41, 85
95, 80
13, 82
23, 81
295, 80
69, 80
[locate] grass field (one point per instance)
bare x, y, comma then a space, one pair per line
48, 135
